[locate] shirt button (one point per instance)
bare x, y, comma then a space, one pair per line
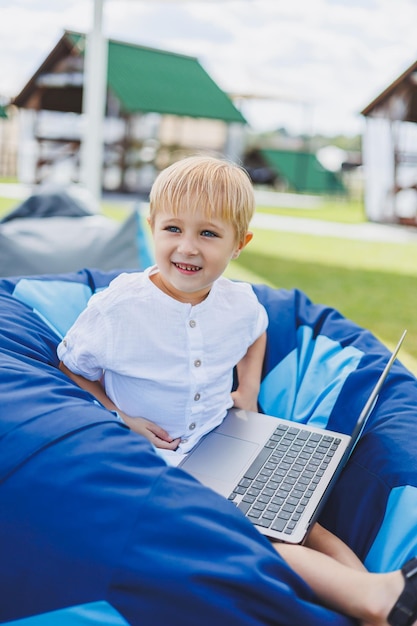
197, 397
192, 323
197, 363
192, 426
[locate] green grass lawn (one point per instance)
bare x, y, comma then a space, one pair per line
372, 283
8, 204
333, 210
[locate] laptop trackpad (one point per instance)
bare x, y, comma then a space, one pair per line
221, 461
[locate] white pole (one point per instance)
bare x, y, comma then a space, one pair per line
94, 105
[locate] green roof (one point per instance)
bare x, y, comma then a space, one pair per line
150, 80
302, 171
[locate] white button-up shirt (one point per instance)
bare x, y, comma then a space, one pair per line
164, 360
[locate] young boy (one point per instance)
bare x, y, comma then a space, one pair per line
159, 347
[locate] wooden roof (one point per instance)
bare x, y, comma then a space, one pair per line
399, 100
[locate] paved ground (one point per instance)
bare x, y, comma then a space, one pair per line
367, 231
11, 190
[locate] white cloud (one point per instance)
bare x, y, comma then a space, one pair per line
336, 55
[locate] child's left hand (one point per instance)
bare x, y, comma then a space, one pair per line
156, 435
247, 400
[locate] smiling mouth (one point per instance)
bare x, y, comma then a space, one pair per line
187, 268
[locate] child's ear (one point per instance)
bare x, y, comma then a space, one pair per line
244, 243
248, 238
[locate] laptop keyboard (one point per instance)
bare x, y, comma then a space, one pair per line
280, 482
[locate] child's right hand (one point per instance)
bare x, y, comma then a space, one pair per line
156, 435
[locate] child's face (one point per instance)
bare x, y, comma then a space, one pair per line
191, 252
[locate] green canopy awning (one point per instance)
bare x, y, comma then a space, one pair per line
149, 80
302, 171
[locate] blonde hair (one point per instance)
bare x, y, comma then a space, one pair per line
219, 187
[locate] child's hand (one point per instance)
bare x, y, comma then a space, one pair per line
156, 435
247, 400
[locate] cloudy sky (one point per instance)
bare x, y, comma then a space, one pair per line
314, 64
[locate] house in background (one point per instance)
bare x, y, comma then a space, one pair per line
160, 107
8, 139
292, 170
390, 152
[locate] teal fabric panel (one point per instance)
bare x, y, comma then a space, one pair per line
57, 302
305, 385
92, 614
395, 542
145, 249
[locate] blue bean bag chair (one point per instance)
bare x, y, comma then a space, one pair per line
97, 530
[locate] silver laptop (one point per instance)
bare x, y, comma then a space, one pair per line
279, 473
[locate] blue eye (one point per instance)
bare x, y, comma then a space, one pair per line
172, 229
208, 233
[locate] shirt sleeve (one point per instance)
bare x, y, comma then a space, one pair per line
262, 321
259, 316
84, 348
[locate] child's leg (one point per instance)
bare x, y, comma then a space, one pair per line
357, 593
324, 541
